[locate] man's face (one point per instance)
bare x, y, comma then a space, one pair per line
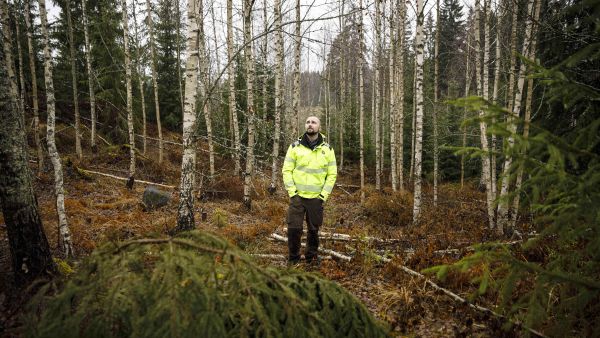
313, 125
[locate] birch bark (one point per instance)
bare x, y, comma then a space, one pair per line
90, 73
419, 113
63, 228
400, 105
141, 75
205, 82
129, 91
436, 98
185, 212
361, 96
392, 84
376, 94
249, 60
74, 81
296, 94
278, 91
231, 82
154, 80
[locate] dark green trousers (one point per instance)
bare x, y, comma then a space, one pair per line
301, 208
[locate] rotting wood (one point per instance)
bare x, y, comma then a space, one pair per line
126, 179
327, 251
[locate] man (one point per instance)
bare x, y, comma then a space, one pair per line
309, 173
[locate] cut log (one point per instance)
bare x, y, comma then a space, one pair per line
327, 251
127, 179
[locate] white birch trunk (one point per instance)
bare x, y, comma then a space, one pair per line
527, 118
34, 88
129, 90
392, 84
361, 98
249, 59
296, 93
88, 63
376, 95
485, 163
278, 91
503, 203
513, 58
140, 71
205, 83
185, 212
419, 113
413, 126
400, 104
498, 65
231, 82
464, 128
74, 81
154, 80
63, 228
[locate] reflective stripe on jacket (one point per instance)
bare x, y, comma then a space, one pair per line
309, 173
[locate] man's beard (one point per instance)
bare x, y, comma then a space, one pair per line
311, 133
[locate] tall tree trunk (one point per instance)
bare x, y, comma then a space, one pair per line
527, 118
249, 60
513, 57
154, 80
436, 91
63, 228
342, 98
376, 95
20, 60
296, 94
74, 81
140, 71
503, 203
34, 88
464, 127
413, 125
279, 63
361, 97
205, 95
185, 212
178, 51
30, 253
393, 110
231, 75
498, 65
129, 91
265, 52
88, 62
400, 104
8, 57
486, 86
419, 116
482, 125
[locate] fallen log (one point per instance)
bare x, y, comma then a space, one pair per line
327, 251
126, 179
346, 237
280, 256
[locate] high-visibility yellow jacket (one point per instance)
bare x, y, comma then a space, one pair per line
309, 173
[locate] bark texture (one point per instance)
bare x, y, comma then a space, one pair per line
74, 81
279, 63
88, 63
232, 94
249, 60
154, 78
34, 88
129, 91
419, 113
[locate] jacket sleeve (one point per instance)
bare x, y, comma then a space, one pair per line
289, 163
331, 175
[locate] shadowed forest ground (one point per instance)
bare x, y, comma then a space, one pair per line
102, 209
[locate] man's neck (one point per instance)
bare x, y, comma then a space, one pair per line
312, 138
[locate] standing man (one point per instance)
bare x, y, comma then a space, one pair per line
309, 173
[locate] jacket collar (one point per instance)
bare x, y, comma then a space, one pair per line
305, 141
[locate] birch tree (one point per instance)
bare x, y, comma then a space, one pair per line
34, 88
140, 70
503, 203
296, 89
129, 91
231, 83
419, 46
376, 95
392, 84
400, 104
498, 65
74, 81
279, 62
185, 213
205, 82
90, 73
154, 76
63, 228
249, 60
361, 98
482, 125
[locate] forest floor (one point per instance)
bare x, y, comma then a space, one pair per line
102, 209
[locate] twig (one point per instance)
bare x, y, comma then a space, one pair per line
127, 179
